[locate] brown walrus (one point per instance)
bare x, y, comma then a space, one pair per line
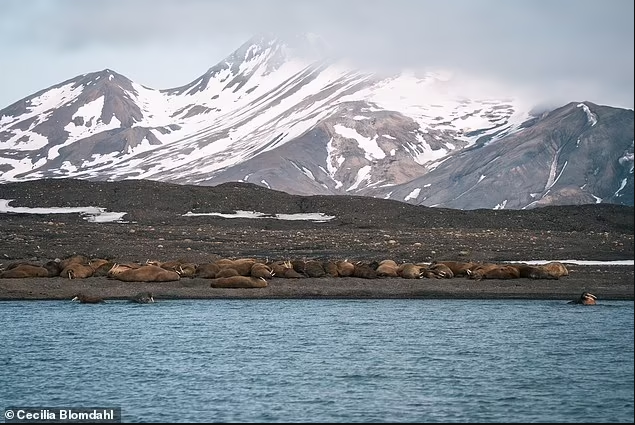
145, 273
87, 299
25, 270
238, 282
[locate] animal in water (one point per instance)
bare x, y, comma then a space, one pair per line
586, 298
143, 298
87, 299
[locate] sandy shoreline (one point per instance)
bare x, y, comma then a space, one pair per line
606, 282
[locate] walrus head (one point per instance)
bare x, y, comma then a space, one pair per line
143, 298
587, 298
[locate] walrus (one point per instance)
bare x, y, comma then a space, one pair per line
480, 269
439, 270
207, 270
533, 272
410, 271
53, 268
284, 269
87, 299
261, 270
77, 271
330, 268
96, 263
142, 298
345, 268
586, 298
500, 272
278, 267
314, 268
556, 269
187, 269
364, 270
103, 269
458, 268
387, 268
241, 265
25, 270
74, 259
290, 273
299, 266
227, 272
146, 273
238, 282
168, 265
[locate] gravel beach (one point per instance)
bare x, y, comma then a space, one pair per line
167, 222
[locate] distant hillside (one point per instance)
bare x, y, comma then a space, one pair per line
150, 201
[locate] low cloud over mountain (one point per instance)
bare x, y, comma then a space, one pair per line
281, 115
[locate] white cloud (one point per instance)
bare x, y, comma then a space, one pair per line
571, 50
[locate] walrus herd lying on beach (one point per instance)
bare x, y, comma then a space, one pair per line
253, 273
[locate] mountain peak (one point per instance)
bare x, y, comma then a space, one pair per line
308, 46
105, 76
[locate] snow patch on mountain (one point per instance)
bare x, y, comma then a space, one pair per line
590, 115
371, 148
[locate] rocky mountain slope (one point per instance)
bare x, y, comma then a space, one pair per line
277, 114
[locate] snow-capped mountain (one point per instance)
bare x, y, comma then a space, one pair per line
281, 115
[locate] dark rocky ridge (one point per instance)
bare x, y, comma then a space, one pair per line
363, 227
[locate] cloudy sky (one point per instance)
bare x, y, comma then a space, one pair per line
557, 50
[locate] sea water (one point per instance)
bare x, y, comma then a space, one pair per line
323, 360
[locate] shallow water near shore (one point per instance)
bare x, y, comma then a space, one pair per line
323, 360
